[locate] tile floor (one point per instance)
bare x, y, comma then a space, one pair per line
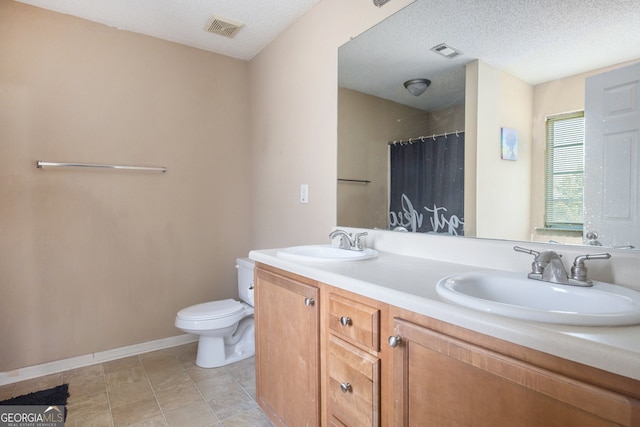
161, 388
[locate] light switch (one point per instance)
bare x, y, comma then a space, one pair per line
304, 193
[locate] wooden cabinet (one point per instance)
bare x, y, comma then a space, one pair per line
290, 314
352, 359
287, 325
442, 379
323, 358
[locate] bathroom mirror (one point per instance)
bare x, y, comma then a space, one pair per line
544, 48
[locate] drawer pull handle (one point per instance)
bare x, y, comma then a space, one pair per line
345, 321
309, 302
395, 341
345, 387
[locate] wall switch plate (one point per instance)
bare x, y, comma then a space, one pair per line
304, 193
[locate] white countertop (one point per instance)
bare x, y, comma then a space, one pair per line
408, 282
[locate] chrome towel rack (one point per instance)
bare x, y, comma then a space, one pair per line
41, 165
360, 181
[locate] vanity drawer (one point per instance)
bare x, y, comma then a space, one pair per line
355, 321
354, 385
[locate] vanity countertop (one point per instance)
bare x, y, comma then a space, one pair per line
409, 282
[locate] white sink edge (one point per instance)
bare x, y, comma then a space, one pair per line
291, 254
628, 318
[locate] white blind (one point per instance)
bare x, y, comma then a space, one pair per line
564, 171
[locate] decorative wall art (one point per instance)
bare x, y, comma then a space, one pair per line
509, 142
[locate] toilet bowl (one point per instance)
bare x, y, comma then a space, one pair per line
225, 327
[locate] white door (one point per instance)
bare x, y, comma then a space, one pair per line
612, 157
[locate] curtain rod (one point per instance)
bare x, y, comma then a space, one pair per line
422, 138
40, 165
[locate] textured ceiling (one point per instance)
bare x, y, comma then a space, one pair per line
536, 41
184, 21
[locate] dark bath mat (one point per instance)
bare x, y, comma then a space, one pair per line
56, 396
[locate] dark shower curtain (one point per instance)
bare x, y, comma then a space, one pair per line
427, 184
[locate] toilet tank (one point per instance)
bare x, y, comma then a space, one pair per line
245, 279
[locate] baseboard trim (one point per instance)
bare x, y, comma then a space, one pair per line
29, 372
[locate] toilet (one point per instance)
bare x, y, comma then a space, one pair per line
225, 327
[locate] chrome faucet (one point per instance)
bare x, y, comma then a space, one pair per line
548, 267
347, 241
553, 270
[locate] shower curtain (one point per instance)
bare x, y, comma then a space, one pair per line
427, 184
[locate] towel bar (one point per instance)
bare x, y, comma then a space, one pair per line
162, 169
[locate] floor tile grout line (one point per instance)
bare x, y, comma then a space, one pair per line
77, 398
153, 390
218, 420
203, 399
244, 391
106, 390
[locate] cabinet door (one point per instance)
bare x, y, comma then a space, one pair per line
287, 349
440, 380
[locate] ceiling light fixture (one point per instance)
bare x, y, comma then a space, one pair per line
416, 87
379, 3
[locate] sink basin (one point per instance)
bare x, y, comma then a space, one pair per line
324, 253
515, 295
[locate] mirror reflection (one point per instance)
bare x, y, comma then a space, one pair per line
499, 75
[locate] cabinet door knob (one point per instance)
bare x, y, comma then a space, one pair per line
394, 341
309, 301
345, 387
345, 321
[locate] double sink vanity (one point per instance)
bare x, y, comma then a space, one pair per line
431, 333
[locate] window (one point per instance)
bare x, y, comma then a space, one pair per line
564, 171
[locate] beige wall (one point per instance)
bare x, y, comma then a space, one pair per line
500, 206
91, 259
471, 116
294, 88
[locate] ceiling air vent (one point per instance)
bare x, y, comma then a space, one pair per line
446, 51
223, 27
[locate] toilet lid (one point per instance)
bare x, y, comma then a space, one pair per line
211, 310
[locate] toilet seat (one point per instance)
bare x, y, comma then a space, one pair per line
225, 328
211, 310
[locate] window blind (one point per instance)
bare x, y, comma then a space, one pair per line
564, 171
